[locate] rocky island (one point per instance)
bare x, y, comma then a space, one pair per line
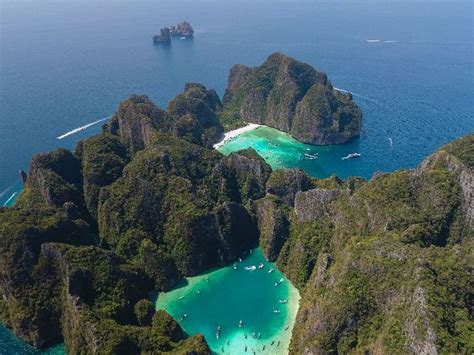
183, 30
292, 97
383, 266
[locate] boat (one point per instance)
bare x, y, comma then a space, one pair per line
184, 316
311, 156
279, 282
250, 268
261, 266
276, 311
240, 259
218, 332
270, 271
182, 38
283, 301
235, 266
181, 298
352, 156
241, 323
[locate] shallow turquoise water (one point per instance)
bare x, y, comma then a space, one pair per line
280, 150
225, 296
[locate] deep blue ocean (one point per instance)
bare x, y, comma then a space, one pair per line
64, 64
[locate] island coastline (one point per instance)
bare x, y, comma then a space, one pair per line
228, 136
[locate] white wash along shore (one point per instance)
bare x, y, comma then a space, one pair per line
228, 136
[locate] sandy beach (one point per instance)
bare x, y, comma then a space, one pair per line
228, 136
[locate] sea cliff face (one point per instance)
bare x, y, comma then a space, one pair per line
382, 265
293, 97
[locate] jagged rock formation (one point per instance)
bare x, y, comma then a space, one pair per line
291, 96
182, 30
164, 37
133, 209
386, 265
382, 266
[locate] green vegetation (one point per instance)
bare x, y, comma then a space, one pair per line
293, 97
382, 265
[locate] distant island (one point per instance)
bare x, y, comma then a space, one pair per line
183, 30
382, 265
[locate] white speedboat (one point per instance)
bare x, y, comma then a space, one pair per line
261, 266
181, 298
241, 323
235, 266
276, 311
250, 268
352, 156
283, 301
270, 271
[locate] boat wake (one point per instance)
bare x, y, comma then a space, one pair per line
363, 97
10, 198
380, 41
76, 130
6, 190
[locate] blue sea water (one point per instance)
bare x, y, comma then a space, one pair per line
64, 64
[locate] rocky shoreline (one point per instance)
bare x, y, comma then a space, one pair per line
381, 265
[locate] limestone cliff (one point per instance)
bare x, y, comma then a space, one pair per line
382, 266
293, 97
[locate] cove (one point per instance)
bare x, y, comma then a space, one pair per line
280, 150
224, 296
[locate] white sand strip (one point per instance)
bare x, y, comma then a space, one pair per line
228, 136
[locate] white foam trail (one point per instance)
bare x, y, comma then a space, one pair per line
75, 130
357, 95
390, 141
6, 190
342, 90
10, 198
374, 40
390, 41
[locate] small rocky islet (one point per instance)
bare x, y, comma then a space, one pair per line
381, 265
183, 30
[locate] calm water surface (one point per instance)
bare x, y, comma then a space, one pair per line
230, 294
65, 64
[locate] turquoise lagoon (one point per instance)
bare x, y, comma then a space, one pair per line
224, 296
280, 150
